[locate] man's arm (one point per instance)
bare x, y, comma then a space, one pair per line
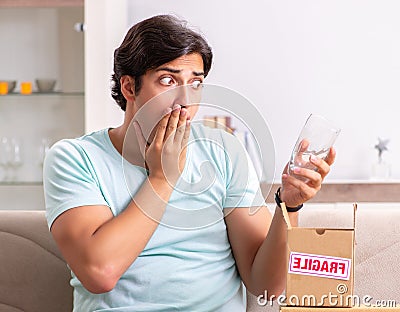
259, 240
259, 246
98, 247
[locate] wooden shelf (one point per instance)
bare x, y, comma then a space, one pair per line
376, 192
20, 183
41, 3
36, 94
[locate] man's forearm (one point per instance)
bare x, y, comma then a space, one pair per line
116, 244
269, 267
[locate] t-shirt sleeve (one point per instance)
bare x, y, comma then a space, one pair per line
242, 183
69, 180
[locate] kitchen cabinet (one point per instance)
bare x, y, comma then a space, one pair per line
42, 44
29, 125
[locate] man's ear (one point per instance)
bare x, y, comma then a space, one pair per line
128, 87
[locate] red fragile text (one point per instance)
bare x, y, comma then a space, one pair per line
319, 265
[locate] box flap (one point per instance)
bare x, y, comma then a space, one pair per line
286, 216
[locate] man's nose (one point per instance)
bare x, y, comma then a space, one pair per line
182, 96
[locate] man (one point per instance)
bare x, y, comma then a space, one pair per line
109, 218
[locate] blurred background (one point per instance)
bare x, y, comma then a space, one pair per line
288, 58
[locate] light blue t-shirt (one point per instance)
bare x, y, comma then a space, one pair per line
187, 265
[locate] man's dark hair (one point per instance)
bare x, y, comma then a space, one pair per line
151, 43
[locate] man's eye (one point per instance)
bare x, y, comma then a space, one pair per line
196, 84
166, 81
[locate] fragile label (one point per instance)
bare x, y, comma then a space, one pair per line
319, 265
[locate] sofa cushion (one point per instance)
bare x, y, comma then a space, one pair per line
33, 274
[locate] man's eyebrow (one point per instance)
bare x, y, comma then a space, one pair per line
168, 69
177, 71
198, 73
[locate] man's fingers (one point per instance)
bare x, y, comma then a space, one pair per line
299, 152
331, 156
186, 134
180, 130
322, 166
172, 122
304, 145
161, 128
305, 191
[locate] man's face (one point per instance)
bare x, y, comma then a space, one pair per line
176, 82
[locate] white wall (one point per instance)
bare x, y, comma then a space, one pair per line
336, 58
105, 22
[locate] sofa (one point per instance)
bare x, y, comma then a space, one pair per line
34, 277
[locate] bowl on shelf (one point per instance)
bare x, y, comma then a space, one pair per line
45, 85
11, 84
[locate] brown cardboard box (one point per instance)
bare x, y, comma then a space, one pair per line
350, 309
320, 267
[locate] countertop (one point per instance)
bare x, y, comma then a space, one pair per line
348, 191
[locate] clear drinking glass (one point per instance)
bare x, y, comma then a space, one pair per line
316, 138
16, 157
43, 150
5, 157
